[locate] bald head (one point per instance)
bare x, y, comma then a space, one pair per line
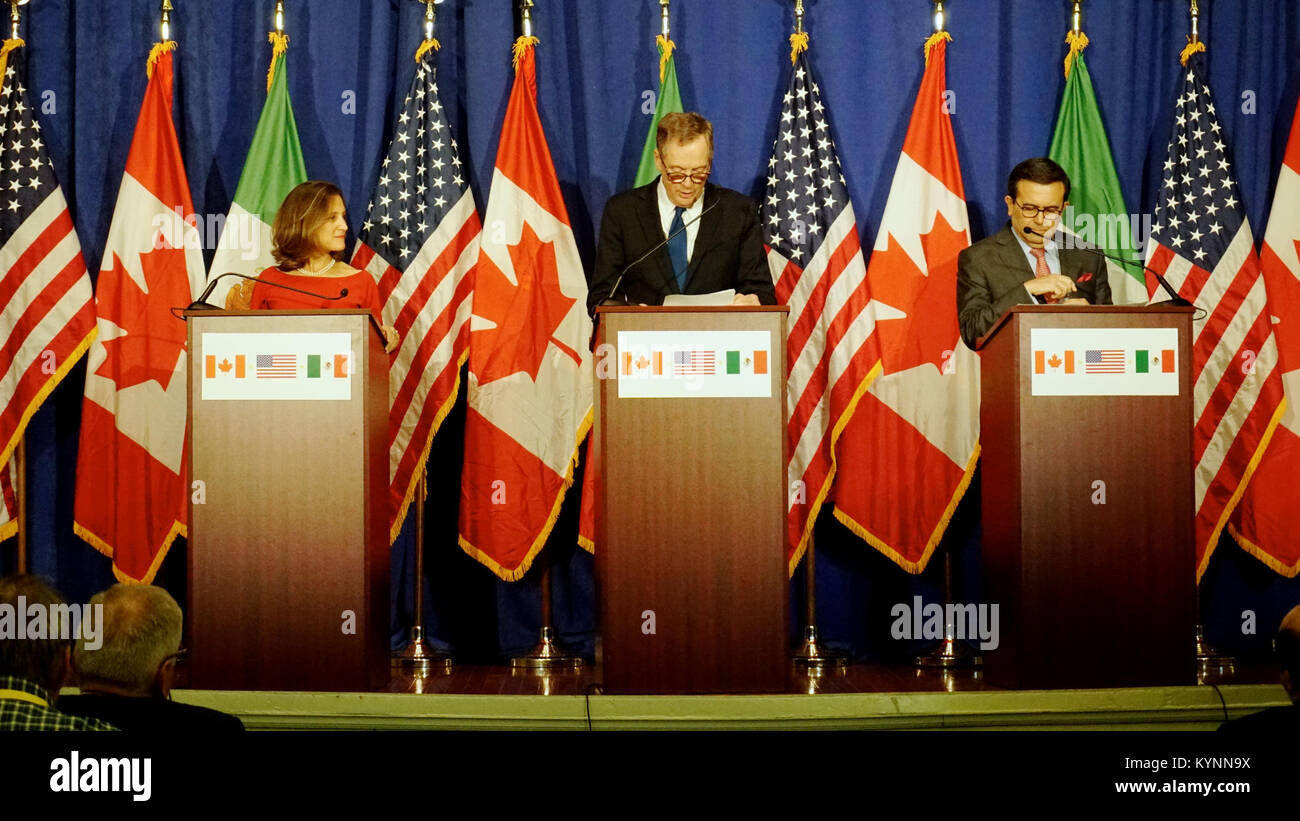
141, 629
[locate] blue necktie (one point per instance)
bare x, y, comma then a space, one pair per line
677, 248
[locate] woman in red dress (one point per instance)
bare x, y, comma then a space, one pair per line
308, 236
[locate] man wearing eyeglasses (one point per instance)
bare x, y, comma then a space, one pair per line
1022, 264
680, 234
127, 679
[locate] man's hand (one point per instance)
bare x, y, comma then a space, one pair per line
745, 299
1053, 285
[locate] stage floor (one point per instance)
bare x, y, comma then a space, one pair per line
862, 697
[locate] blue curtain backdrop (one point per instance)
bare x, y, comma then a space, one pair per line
349, 65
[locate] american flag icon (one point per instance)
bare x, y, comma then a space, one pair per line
276, 366
694, 363
1103, 362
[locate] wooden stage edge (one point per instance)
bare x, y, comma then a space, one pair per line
493, 699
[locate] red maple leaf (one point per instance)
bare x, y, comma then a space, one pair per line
525, 313
153, 338
930, 302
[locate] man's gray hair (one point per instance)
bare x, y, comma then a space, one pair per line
141, 627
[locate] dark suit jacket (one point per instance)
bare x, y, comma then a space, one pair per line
991, 275
728, 249
150, 715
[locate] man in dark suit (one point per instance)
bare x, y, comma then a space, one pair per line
1282, 723
126, 680
714, 242
1022, 264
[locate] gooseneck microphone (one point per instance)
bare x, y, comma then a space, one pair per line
666, 240
202, 304
1174, 298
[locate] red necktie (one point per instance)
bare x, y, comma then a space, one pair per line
1041, 270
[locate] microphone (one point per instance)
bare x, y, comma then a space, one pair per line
202, 304
1174, 298
619, 281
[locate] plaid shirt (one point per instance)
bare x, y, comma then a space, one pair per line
25, 706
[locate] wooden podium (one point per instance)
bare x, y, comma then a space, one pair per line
288, 547
1086, 462
690, 536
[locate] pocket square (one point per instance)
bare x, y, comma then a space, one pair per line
1084, 278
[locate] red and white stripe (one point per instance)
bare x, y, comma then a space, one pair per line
48, 318
429, 305
1236, 383
830, 357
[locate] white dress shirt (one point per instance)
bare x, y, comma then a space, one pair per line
666, 211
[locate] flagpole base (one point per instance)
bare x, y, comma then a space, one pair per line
951, 653
813, 658
418, 657
546, 656
1210, 663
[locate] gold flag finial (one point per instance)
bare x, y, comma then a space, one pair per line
526, 18
279, 16
940, 17
798, 40
663, 19
165, 29
1077, 28
15, 17
429, 43
1194, 44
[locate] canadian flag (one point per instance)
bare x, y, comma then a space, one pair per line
909, 452
131, 471
1264, 522
530, 363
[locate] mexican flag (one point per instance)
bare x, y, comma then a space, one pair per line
273, 167
1098, 215
670, 100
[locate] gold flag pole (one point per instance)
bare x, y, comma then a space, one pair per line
950, 653
417, 656
20, 449
663, 18
546, 656
1211, 664
811, 658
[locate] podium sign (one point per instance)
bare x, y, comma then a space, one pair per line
1087, 494
689, 443
288, 519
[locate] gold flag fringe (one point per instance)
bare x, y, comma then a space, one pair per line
1077, 42
279, 45
1192, 48
666, 47
522, 45
9, 46
932, 41
798, 45
425, 47
159, 49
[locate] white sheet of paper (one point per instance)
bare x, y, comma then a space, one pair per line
698, 300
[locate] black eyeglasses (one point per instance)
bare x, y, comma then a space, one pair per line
678, 177
1030, 211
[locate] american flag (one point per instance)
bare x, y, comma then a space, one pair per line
48, 304
699, 363
1103, 362
816, 262
1201, 242
420, 241
277, 366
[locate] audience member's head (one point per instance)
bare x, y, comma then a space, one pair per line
42, 661
141, 634
1287, 643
